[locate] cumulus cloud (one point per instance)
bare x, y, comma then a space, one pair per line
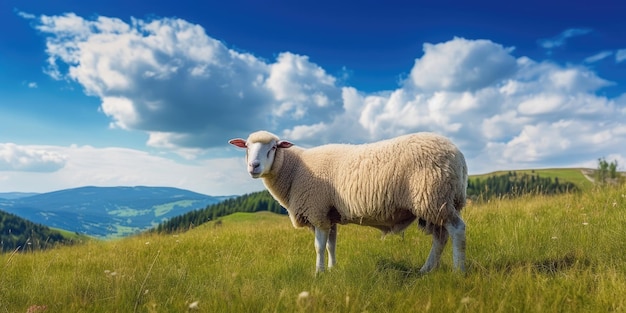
190, 92
29, 159
302, 89
461, 64
160, 76
528, 114
168, 78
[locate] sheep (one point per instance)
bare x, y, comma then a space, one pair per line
387, 185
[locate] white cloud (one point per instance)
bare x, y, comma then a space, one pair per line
25, 15
561, 38
32, 85
541, 104
190, 92
540, 114
302, 88
598, 56
121, 110
620, 55
86, 165
29, 159
460, 64
164, 75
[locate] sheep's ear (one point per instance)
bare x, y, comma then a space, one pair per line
284, 144
238, 142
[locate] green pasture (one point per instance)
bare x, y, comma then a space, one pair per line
530, 254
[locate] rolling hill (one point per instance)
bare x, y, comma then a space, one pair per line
106, 212
18, 234
15, 195
577, 176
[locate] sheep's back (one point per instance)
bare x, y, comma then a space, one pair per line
424, 173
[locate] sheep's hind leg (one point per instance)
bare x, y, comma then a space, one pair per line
331, 245
440, 238
456, 229
321, 238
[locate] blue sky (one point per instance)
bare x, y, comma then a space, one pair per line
149, 92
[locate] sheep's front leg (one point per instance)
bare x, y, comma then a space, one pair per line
321, 238
331, 245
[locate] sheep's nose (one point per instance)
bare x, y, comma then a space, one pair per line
255, 164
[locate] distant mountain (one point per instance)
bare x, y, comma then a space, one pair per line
16, 195
107, 212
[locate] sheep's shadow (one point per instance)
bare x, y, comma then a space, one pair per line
546, 266
401, 268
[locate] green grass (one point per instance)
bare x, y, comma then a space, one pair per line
573, 175
529, 254
73, 235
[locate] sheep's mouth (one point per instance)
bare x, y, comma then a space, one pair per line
255, 174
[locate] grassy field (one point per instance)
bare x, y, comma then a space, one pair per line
539, 254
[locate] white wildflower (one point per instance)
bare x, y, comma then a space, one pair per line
303, 295
304, 298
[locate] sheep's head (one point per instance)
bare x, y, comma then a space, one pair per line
261, 149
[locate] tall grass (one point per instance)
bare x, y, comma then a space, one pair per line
531, 254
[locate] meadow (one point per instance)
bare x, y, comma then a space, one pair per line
564, 253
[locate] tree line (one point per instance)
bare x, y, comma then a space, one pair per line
19, 234
513, 184
253, 202
607, 173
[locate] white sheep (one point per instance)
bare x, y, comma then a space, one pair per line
387, 185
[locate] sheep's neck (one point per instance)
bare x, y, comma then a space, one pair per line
283, 170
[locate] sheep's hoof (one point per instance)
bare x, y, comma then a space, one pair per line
426, 269
319, 271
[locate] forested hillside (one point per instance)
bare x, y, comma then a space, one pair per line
253, 202
17, 232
